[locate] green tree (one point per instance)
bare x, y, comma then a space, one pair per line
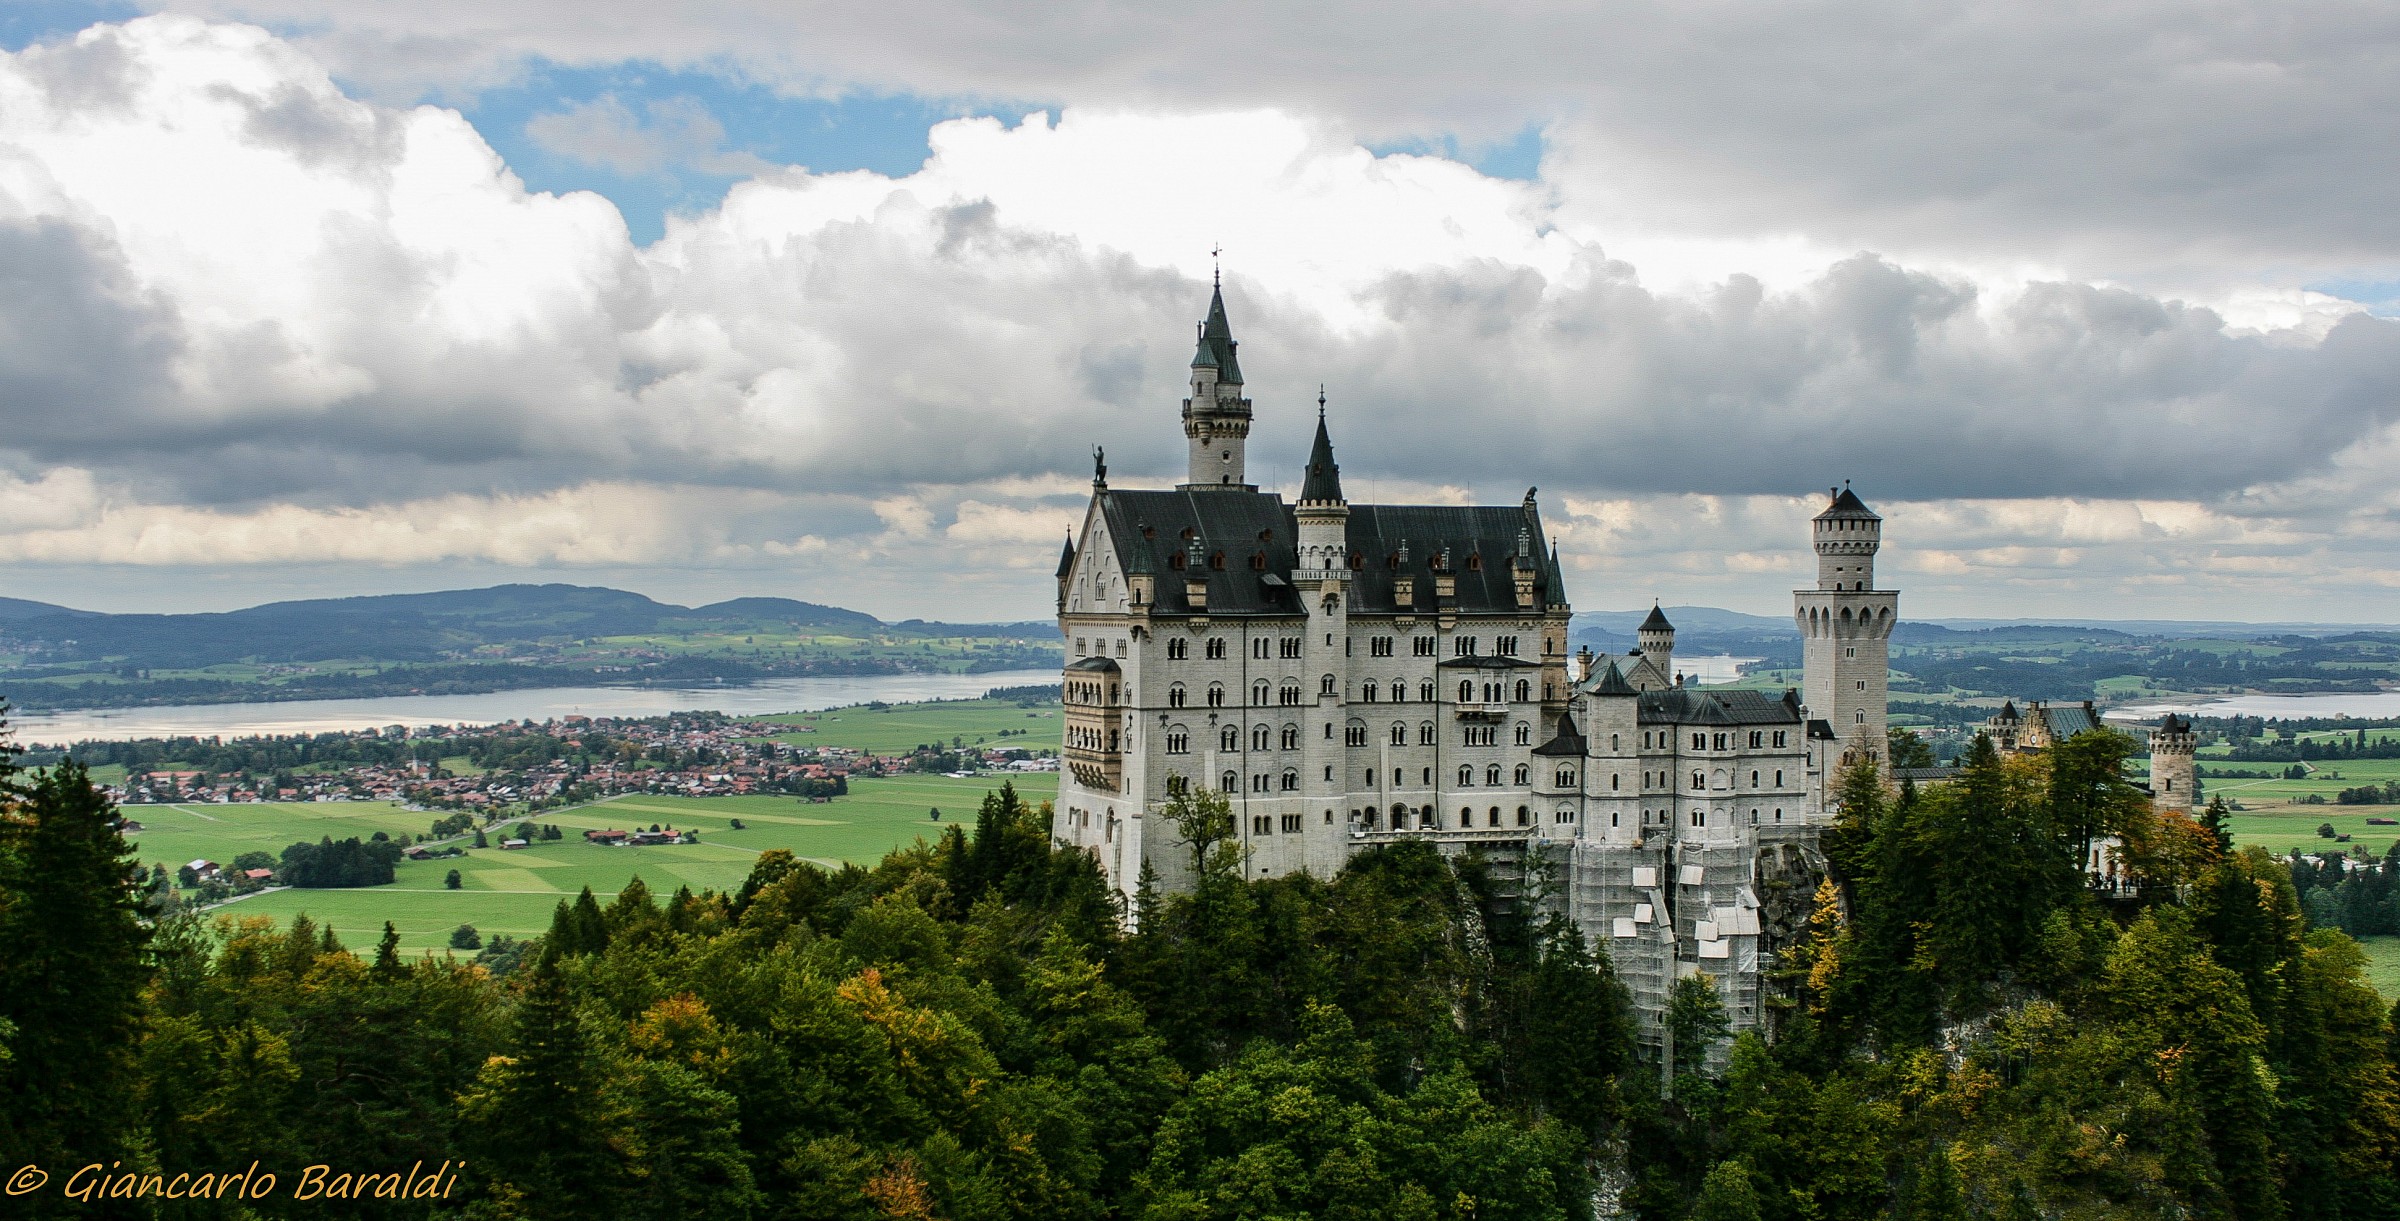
73, 935
452, 881
464, 937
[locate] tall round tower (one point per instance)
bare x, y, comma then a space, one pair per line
1216, 419
1846, 627
2174, 778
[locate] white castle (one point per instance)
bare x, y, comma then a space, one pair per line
1355, 674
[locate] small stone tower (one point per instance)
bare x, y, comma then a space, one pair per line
1656, 639
2174, 780
1216, 419
1846, 626
1323, 581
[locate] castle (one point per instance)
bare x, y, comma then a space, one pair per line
1357, 674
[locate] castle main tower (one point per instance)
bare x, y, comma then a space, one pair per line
1216, 419
2174, 776
1847, 625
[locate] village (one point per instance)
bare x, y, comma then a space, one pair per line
519, 767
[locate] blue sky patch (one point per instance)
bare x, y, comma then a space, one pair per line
25, 22
1518, 157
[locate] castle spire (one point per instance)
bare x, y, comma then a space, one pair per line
1217, 344
1216, 418
1324, 482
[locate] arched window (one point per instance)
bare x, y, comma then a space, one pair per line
1466, 692
1524, 734
1399, 734
1216, 696
1699, 781
1291, 781
1229, 739
1525, 774
1566, 778
1179, 741
1175, 696
1425, 691
1466, 816
1178, 649
1258, 693
1524, 816
1258, 737
1491, 775
1425, 734
1291, 736
1326, 685
1175, 785
1466, 775
1367, 693
1399, 691
1216, 649
1612, 743
1524, 690
1229, 782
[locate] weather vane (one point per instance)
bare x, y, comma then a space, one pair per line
1216, 272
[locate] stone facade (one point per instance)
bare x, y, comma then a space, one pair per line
1355, 674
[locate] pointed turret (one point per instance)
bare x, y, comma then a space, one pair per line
1611, 682
1216, 418
1217, 344
1066, 558
1324, 482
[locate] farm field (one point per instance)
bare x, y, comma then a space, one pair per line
173, 834
2286, 828
904, 727
514, 892
2383, 965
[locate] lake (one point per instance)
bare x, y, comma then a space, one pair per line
538, 704
2357, 704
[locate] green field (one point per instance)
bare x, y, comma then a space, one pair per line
514, 892
904, 727
173, 834
2383, 965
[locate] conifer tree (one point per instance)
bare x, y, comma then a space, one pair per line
72, 969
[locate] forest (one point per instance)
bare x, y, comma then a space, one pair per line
972, 1030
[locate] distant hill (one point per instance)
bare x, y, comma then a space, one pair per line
415, 628
19, 608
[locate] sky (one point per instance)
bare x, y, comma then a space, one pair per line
2098, 304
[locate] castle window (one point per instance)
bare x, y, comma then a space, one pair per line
1175, 696
1380, 646
1720, 741
1524, 734
1080, 650
1325, 685
1288, 647
1229, 782
1699, 781
1860, 717
1524, 690
1566, 778
1179, 742
1428, 781
1258, 737
1755, 736
1779, 813
1699, 818
1491, 775
1525, 774
1862, 684
1424, 646
1290, 694
1216, 696
1366, 694
1462, 646
1356, 736
1229, 739
1258, 648
1779, 740
1699, 741
1524, 816
1754, 816
1612, 782
1291, 736
1612, 743
1399, 691
1178, 649
1176, 785
1466, 692
1259, 783
1216, 649
1217, 561
1399, 737
1291, 822
1291, 781
1466, 775
1425, 691
1495, 817
1754, 780
1779, 778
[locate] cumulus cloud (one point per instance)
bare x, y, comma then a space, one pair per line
245, 306
2131, 140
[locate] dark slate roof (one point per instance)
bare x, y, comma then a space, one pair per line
1700, 706
1657, 622
1250, 526
1487, 661
1094, 664
2174, 724
2008, 710
1568, 743
1324, 482
1066, 559
1611, 682
2067, 722
1847, 504
1216, 342
1925, 775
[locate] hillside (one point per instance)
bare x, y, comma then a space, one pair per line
458, 641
